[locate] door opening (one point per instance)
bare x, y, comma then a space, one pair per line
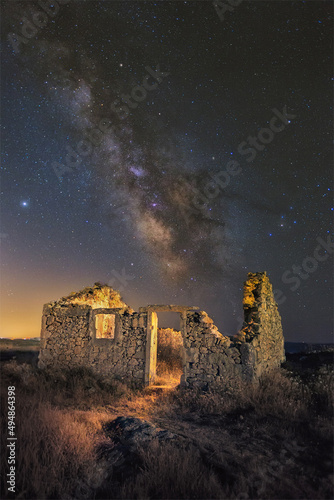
164, 353
169, 349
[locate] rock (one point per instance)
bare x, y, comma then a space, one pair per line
128, 436
135, 431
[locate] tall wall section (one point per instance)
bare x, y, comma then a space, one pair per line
210, 357
261, 339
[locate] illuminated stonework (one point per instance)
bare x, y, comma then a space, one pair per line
96, 328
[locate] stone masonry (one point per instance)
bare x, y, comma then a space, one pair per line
96, 329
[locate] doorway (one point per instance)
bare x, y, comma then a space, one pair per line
164, 348
169, 349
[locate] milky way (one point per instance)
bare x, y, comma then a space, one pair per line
134, 115
131, 170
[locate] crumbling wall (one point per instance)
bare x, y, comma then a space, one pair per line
261, 339
64, 335
68, 339
97, 296
124, 356
210, 357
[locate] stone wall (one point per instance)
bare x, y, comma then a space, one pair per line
69, 338
261, 339
97, 296
210, 357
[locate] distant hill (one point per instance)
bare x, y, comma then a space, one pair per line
20, 344
296, 347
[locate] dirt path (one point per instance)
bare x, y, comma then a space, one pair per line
232, 445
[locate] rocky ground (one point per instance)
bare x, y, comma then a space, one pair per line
256, 456
83, 438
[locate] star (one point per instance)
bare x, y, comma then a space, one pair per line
143, 151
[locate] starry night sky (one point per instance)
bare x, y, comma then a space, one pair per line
129, 210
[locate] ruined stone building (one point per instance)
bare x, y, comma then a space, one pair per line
96, 329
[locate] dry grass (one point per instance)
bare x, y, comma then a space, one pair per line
169, 368
272, 440
169, 365
55, 448
56, 441
79, 387
278, 393
172, 472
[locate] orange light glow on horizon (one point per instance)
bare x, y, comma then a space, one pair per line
24, 294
